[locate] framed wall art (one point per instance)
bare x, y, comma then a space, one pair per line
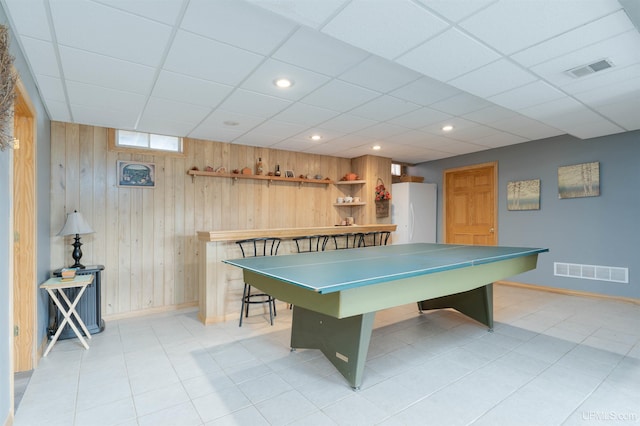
523, 195
579, 180
135, 174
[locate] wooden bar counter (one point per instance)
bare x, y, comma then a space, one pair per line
220, 285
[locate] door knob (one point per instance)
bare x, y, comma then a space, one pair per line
491, 230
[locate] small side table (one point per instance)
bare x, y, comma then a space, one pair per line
56, 284
89, 307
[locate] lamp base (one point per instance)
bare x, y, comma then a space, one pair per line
77, 253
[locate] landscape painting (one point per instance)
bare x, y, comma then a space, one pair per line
523, 195
579, 180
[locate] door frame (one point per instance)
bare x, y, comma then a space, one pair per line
24, 286
445, 201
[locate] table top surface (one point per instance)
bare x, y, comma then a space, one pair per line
337, 270
77, 281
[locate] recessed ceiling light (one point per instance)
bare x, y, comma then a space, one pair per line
316, 137
447, 128
376, 147
283, 83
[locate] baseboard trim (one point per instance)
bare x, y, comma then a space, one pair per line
570, 292
145, 312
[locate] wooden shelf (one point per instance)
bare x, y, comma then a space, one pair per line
349, 182
361, 203
234, 176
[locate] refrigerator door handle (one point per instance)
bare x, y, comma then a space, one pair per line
412, 219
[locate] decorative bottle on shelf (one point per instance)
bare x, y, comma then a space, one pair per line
259, 166
277, 173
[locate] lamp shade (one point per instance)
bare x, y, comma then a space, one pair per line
75, 225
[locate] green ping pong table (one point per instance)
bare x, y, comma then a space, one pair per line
336, 293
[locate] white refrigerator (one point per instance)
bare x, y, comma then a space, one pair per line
413, 209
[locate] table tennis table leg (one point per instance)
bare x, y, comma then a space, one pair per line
476, 304
345, 342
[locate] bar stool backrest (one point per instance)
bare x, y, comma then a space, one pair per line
254, 247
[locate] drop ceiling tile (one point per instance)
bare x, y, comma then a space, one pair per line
51, 88
304, 81
102, 97
237, 23
420, 118
279, 130
41, 56
528, 23
460, 54
200, 57
319, 53
384, 108
494, 78
215, 133
456, 10
381, 131
232, 121
489, 114
58, 111
530, 95
623, 50
460, 104
368, 24
624, 112
346, 141
591, 33
378, 74
304, 114
526, 127
340, 96
251, 103
590, 126
29, 21
163, 11
347, 123
163, 126
298, 146
179, 87
425, 91
175, 111
499, 139
411, 137
309, 13
103, 117
100, 29
326, 135
611, 93
99, 70
453, 146
548, 110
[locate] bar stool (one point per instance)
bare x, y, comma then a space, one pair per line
350, 240
378, 238
253, 247
311, 243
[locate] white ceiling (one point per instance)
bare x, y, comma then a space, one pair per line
365, 72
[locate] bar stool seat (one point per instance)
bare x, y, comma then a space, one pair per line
253, 247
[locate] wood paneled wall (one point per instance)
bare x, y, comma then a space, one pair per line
146, 238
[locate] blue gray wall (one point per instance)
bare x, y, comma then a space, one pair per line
43, 167
601, 230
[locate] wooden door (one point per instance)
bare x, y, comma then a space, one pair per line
24, 234
470, 204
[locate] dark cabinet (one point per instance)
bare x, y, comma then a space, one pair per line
88, 307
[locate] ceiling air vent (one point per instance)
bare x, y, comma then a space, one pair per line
584, 70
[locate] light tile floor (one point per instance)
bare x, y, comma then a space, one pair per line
552, 360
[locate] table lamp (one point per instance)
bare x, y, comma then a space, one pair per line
76, 225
